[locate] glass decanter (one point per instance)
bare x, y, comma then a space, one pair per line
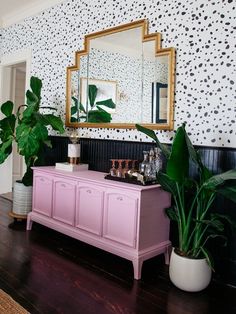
144, 163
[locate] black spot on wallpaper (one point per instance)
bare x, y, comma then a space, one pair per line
203, 33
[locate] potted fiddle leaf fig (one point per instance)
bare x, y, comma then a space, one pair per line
28, 129
192, 210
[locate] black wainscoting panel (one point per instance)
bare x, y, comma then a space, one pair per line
97, 153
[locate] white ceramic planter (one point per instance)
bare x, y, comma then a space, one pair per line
189, 274
22, 199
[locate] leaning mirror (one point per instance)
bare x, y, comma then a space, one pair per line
122, 77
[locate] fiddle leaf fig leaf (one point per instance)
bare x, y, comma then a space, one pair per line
92, 94
28, 143
54, 121
99, 116
31, 99
108, 103
5, 150
7, 108
40, 132
7, 127
36, 86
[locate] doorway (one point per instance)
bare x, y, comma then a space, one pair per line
17, 96
14, 81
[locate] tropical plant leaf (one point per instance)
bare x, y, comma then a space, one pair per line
108, 103
36, 86
73, 119
40, 132
228, 192
171, 213
99, 116
216, 180
32, 99
208, 257
28, 144
7, 108
5, 150
54, 121
214, 223
178, 162
92, 94
164, 148
167, 183
73, 110
7, 126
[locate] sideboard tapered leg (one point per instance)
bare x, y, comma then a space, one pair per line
137, 265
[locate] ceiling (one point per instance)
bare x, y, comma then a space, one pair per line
13, 11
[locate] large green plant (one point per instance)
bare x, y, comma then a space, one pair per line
193, 197
96, 114
28, 128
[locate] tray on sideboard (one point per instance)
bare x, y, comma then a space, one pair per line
129, 180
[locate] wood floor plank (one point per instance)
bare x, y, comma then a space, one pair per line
47, 272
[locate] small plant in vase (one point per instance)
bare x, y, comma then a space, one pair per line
28, 129
193, 199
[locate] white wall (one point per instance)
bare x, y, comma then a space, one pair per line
201, 31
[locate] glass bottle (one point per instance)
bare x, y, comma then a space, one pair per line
144, 163
157, 159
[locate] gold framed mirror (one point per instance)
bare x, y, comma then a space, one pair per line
122, 77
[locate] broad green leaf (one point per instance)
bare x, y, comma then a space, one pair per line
5, 150
48, 143
171, 213
208, 257
99, 116
167, 183
165, 150
73, 119
219, 179
28, 144
29, 112
40, 132
73, 110
7, 108
36, 86
92, 94
32, 99
7, 126
108, 103
178, 163
228, 192
54, 121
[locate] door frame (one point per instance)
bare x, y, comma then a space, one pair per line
24, 55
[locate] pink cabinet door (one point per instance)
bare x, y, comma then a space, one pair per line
64, 201
89, 208
120, 217
42, 194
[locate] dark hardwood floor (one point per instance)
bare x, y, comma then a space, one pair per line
47, 272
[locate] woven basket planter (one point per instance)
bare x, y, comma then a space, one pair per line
22, 199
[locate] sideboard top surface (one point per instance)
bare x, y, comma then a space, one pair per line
93, 176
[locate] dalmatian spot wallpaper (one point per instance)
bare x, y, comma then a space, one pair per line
202, 32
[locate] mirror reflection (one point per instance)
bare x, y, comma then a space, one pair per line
122, 78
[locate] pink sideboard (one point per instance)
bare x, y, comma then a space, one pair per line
124, 219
